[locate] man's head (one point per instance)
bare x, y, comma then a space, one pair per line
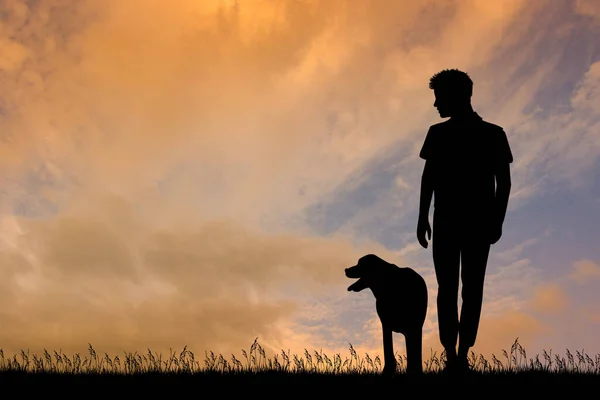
453, 90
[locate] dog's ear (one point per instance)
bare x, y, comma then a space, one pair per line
358, 286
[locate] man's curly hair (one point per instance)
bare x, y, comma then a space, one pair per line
453, 81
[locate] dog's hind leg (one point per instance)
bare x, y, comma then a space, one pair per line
414, 349
389, 367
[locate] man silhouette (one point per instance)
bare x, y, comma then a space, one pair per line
467, 171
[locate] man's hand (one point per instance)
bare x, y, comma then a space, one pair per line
423, 228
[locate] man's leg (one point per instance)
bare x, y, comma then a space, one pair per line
446, 260
474, 259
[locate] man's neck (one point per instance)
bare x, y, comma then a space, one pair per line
464, 114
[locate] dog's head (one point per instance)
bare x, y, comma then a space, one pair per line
365, 271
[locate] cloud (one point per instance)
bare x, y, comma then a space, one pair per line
588, 8
127, 105
517, 250
549, 298
101, 274
560, 149
585, 271
498, 332
592, 315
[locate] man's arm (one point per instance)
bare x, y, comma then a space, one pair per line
426, 191
503, 185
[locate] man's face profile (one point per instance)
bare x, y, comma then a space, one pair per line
443, 103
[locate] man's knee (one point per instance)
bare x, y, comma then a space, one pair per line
446, 289
472, 294
475, 256
446, 261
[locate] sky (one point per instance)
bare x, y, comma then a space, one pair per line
200, 173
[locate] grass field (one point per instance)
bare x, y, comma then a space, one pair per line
253, 366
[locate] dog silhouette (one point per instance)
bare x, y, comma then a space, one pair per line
401, 303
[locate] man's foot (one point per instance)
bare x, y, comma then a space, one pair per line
462, 365
450, 359
389, 368
457, 366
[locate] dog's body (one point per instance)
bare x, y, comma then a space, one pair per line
401, 303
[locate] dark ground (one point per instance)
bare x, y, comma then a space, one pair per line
231, 382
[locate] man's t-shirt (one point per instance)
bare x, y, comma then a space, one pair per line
463, 154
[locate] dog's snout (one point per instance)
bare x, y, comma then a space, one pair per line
352, 272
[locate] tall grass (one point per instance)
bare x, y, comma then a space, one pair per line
255, 360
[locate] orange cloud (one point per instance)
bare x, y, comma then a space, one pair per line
588, 7
498, 332
101, 274
584, 271
549, 298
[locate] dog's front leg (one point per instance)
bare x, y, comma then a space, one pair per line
389, 367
